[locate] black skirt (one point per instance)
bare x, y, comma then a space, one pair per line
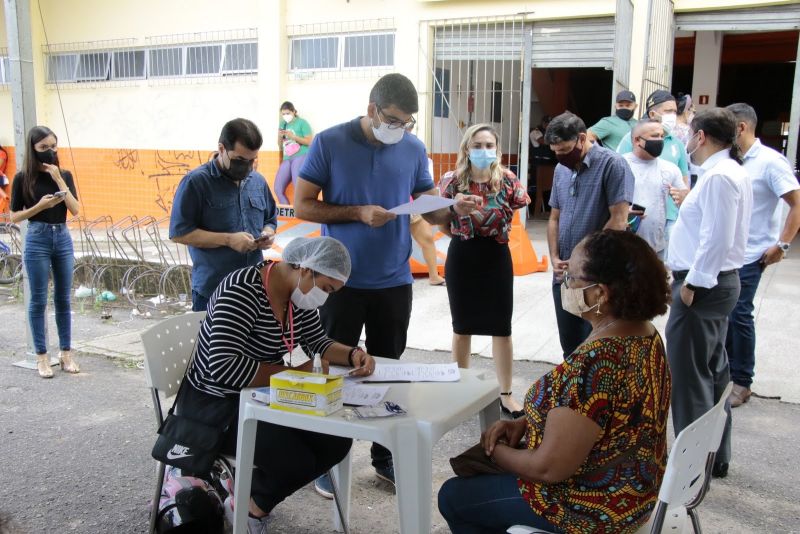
480, 286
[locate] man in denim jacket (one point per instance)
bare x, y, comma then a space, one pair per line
224, 211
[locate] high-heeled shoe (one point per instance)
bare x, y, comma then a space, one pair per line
43, 366
68, 363
514, 414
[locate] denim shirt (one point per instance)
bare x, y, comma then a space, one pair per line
207, 200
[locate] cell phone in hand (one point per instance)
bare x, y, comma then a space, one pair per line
263, 238
60, 194
637, 207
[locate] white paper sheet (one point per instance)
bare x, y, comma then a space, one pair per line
361, 395
415, 372
423, 204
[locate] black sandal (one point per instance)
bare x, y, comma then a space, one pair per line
515, 414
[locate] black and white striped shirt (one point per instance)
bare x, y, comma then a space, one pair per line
240, 332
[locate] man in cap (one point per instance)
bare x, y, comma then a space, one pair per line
610, 130
661, 106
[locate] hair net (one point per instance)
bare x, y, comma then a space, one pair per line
324, 255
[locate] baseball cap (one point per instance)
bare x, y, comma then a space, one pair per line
626, 95
659, 96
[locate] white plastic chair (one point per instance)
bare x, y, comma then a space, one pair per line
168, 347
687, 476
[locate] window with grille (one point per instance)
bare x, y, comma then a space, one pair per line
369, 50
441, 93
315, 53
214, 54
128, 65
6, 74
203, 59
240, 57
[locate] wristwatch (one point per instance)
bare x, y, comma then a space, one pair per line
689, 286
783, 246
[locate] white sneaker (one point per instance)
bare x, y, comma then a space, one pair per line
254, 524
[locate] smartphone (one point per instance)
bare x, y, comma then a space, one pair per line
60, 194
637, 207
263, 238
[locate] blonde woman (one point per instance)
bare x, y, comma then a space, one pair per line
478, 270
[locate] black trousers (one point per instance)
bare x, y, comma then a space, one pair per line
696, 352
384, 315
572, 330
286, 459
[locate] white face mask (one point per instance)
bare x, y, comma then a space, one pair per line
386, 135
668, 121
312, 300
573, 301
691, 152
287, 117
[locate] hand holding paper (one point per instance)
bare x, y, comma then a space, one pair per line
423, 204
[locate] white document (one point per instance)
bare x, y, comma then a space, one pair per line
361, 395
415, 372
423, 204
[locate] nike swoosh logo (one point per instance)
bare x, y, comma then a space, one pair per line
173, 456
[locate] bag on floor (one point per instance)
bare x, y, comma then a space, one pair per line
188, 505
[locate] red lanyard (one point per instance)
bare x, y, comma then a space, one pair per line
289, 344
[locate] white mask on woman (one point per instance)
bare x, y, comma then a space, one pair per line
573, 300
288, 117
312, 300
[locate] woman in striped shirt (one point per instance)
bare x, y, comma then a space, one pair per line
256, 316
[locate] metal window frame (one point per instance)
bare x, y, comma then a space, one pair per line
339, 58
218, 72
234, 72
150, 75
100, 77
343, 45
114, 53
73, 78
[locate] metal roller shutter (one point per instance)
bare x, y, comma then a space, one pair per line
757, 19
574, 43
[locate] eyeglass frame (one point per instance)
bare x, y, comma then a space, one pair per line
567, 277
395, 123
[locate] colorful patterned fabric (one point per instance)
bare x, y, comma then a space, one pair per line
494, 218
623, 385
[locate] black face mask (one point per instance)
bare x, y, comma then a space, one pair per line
238, 169
654, 147
48, 156
625, 114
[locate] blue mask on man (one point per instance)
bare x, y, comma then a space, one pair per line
482, 158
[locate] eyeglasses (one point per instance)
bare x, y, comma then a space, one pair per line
395, 123
569, 279
573, 185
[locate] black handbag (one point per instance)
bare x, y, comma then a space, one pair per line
188, 444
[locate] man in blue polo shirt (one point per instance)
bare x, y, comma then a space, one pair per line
363, 168
224, 211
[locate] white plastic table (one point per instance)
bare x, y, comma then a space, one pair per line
433, 410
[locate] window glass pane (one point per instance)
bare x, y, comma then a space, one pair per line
203, 59
441, 93
128, 65
165, 62
241, 57
369, 50
317, 53
93, 66
6, 70
61, 67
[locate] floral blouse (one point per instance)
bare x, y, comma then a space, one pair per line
623, 385
493, 219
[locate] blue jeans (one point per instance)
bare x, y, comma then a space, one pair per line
199, 302
741, 341
49, 246
487, 504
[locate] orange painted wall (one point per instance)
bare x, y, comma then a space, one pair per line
123, 181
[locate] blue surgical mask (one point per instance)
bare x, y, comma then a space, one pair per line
482, 158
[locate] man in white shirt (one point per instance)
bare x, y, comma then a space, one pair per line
705, 251
772, 179
655, 179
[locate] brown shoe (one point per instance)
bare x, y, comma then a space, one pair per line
68, 363
43, 366
739, 395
